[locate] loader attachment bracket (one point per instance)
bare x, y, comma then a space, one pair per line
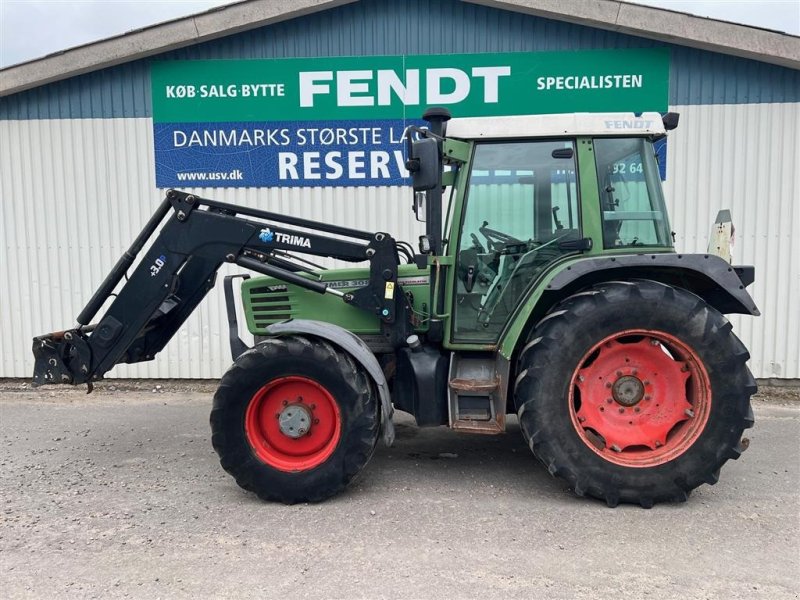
61, 357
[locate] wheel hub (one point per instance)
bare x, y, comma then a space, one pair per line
293, 435
628, 390
294, 420
639, 398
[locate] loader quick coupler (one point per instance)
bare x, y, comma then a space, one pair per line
61, 357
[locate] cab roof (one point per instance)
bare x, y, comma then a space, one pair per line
572, 124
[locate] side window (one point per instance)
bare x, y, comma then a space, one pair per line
521, 201
631, 199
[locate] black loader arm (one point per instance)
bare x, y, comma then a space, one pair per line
179, 268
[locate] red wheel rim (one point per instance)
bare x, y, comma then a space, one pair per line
640, 398
293, 424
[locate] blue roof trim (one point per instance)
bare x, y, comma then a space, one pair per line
375, 27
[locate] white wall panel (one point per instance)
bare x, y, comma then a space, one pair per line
746, 157
75, 192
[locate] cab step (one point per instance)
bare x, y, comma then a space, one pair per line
476, 395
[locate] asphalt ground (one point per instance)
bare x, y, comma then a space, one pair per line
119, 494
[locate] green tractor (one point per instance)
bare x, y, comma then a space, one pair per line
546, 286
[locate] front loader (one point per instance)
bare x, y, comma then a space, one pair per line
547, 286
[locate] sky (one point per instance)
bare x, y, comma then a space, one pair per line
34, 28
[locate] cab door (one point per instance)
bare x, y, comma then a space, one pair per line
521, 200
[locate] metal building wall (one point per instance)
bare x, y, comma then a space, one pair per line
70, 217
77, 180
746, 157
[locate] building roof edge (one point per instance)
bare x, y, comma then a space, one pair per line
623, 17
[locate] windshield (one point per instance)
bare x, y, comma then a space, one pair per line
631, 199
522, 200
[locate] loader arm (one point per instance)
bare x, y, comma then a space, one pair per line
179, 268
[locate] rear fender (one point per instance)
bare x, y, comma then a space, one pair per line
720, 284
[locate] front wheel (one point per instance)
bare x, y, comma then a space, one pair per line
634, 392
294, 419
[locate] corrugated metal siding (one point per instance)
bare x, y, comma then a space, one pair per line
746, 158
74, 195
75, 192
375, 27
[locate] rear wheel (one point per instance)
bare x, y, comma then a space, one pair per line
294, 419
634, 392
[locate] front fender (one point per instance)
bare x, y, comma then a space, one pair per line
353, 345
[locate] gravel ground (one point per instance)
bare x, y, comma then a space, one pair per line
119, 494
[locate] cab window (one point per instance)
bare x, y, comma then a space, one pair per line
631, 199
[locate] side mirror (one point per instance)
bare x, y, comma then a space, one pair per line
423, 164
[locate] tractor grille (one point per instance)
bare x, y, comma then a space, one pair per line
271, 304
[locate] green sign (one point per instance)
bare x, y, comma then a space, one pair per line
401, 87
340, 121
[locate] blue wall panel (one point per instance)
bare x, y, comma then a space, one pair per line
371, 27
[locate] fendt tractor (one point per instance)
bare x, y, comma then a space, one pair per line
546, 286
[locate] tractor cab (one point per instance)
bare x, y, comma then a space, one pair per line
529, 193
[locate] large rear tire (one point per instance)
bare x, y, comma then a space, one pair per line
295, 419
634, 391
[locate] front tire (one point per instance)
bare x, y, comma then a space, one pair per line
294, 419
634, 391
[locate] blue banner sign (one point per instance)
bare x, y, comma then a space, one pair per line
275, 154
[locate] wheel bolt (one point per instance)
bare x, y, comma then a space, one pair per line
316, 421
648, 397
299, 398
609, 384
277, 415
609, 400
637, 409
619, 373
689, 412
313, 406
621, 410
581, 419
285, 402
635, 372
646, 382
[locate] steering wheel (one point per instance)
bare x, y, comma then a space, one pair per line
497, 240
